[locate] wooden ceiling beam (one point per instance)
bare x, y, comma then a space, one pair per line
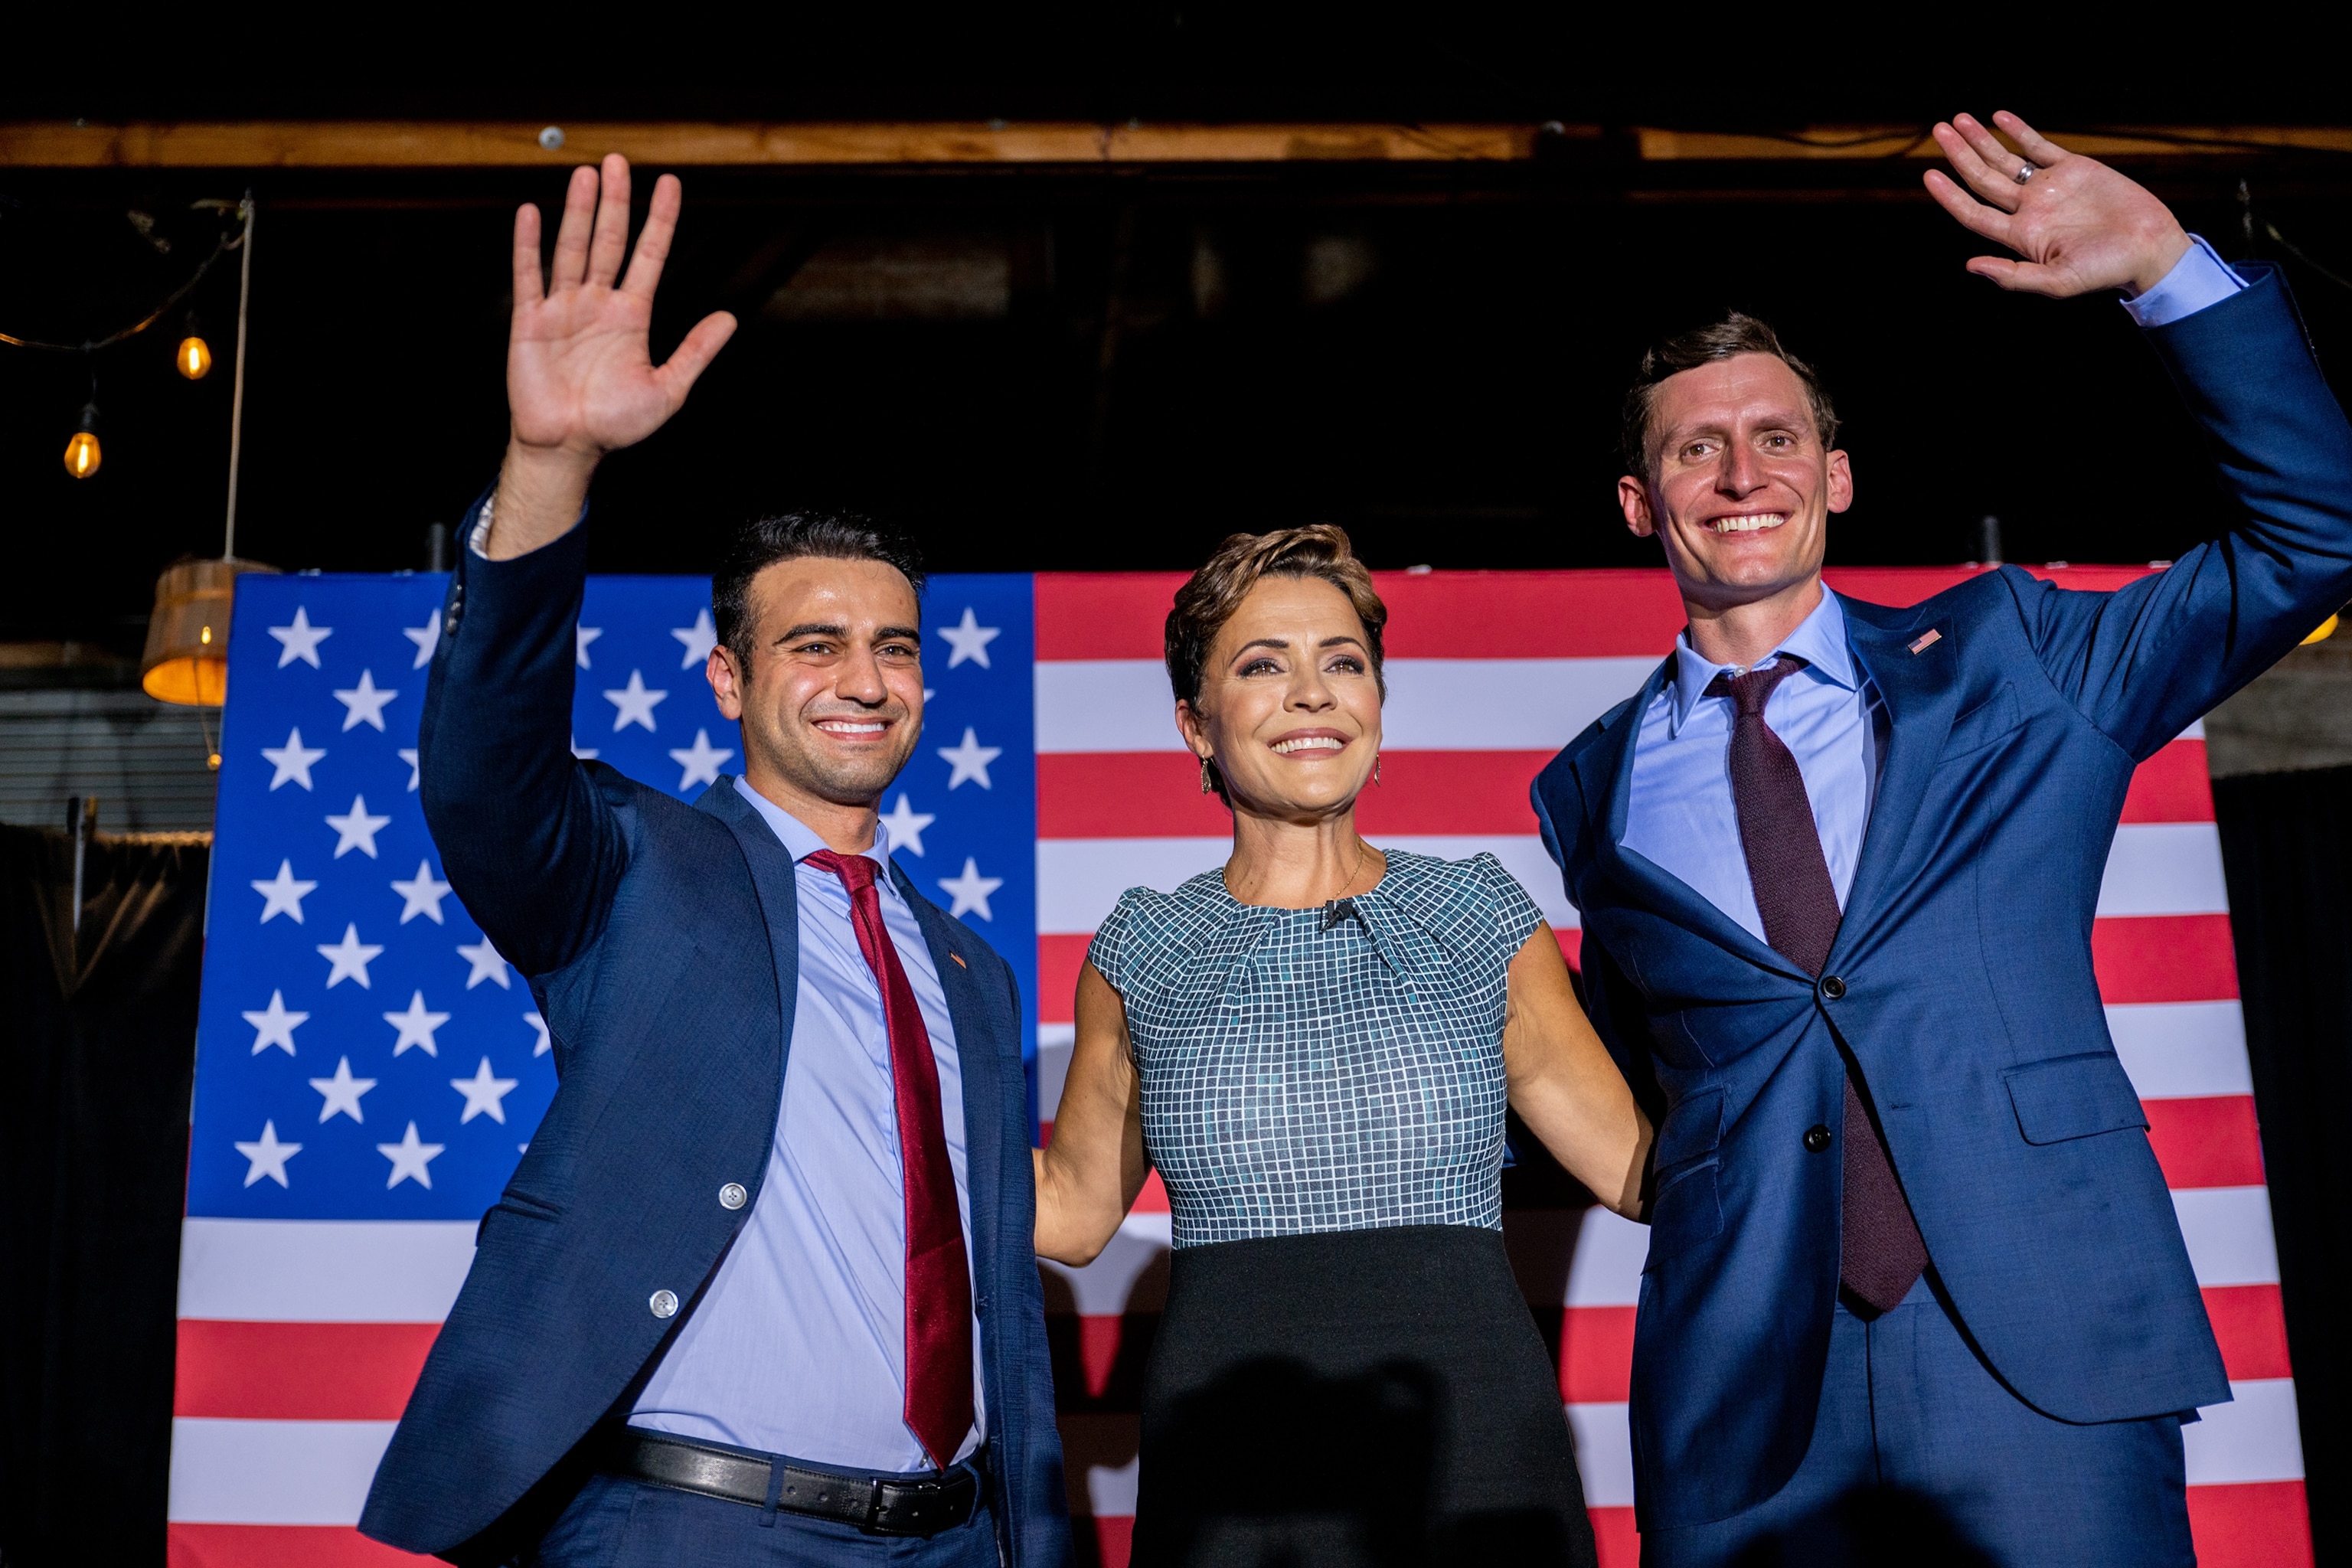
438, 144
423, 144
1875, 142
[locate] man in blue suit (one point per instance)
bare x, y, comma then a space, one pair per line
761, 1290
1915, 1290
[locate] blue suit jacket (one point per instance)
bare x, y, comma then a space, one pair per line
1968, 1001
668, 990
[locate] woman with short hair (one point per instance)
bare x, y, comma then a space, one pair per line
1316, 1046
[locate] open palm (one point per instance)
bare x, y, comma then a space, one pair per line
2077, 224
580, 372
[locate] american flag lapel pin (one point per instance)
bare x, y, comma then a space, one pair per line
1922, 644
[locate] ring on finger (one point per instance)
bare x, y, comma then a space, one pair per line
2027, 171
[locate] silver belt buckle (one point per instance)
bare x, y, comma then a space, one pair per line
929, 1500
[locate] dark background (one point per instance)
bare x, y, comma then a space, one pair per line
1455, 406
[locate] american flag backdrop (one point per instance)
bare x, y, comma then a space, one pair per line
369, 1068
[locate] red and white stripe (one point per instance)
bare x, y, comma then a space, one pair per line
299, 1341
1489, 674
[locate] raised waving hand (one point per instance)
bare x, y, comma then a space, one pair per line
581, 381
2078, 225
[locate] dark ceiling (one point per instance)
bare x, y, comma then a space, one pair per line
1095, 369
1206, 62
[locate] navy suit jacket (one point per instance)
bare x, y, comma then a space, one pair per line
669, 991
1961, 983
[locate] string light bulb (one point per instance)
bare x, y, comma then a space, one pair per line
82, 453
194, 359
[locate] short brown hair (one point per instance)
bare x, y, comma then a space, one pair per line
1212, 595
1733, 335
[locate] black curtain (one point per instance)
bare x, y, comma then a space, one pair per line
97, 1050
2286, 846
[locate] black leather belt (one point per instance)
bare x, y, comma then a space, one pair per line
879, 1505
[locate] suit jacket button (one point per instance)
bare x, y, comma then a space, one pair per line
1832, 987
732, 1196
1817, 1138
664, 1303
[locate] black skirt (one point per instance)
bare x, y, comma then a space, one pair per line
1366, 1397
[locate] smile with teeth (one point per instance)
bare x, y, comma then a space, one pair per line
1307, 744
1749, 522
851, 726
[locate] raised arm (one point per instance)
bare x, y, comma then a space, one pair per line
529, 837
2146, 661
2077, 225
1089, 1176
581, 381
1563, 1083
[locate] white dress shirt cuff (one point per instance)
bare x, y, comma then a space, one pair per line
2197, 279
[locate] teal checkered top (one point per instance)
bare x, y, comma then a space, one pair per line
1324, 1069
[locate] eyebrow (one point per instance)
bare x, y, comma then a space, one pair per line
1726, 427
1343, 640
828, 629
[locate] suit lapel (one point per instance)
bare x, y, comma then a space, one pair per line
1606, 771
774, 880
1920, 690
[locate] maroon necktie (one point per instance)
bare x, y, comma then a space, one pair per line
939, 1275
1881, 1254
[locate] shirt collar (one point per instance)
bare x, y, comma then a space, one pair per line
1820, 640
800, 840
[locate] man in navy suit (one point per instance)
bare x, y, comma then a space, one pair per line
761, 1290
1915, 1290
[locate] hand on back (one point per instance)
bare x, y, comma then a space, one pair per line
2078, 223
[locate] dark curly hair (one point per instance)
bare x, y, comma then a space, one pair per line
790, 536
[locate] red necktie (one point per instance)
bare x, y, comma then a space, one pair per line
1880, 1253
939, 1275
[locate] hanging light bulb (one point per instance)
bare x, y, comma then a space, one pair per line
195, 357
83, 454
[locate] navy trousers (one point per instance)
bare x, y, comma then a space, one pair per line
619, 1523
1919, 1456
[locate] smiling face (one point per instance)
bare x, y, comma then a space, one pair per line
833, 700
1740, 488
1289, 707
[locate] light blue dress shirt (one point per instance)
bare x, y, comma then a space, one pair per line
799, 1346
1679, 814
2197, 279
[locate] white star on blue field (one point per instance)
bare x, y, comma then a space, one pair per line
364, 1052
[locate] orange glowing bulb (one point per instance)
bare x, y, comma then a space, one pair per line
82, 456
196, 357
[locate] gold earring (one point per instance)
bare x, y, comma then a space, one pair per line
1376, 769
1205, 786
